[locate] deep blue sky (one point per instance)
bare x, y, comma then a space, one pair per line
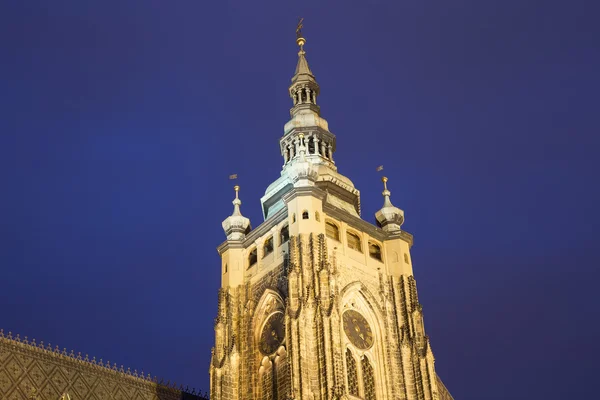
121, 120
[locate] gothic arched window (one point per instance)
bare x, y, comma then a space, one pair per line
304, 214
332, 231
354, 241
352, 373
284, 235
368, 379
375, 251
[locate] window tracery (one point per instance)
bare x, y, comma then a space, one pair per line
368, 379
352, 373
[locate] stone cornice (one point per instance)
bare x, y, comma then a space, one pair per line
304, 191
335, 212
364, 226
254, 234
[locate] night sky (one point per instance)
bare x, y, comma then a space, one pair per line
120, 122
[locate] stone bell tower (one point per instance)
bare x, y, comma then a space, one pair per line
316, 303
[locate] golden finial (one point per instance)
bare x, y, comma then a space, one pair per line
299, 39
384, 180
237, 189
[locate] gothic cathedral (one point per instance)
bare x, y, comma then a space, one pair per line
316, 303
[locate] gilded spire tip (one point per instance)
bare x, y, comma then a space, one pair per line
237, 189
384, 180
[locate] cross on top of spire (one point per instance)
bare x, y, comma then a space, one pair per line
299, 39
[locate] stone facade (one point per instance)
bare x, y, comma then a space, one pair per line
34, 371
316, 303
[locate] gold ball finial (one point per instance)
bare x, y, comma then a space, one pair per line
384, 179
301, 42
301, 136
236, 188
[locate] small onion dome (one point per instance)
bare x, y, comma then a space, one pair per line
236, 226
389, 218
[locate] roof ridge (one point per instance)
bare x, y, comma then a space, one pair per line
40, 347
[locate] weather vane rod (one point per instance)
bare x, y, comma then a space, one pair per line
299, 39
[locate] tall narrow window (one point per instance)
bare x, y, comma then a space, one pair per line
375, 251
268, 247
332, 231
368, 379
284, 235
406, 258
225, 268
311, 145
305, 214
352, 373
354, 241
317, 217
252, 257
267, 385
293, 218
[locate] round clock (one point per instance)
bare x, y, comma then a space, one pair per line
272, 334
357, 329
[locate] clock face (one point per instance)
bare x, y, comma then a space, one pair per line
358, 330
272, 334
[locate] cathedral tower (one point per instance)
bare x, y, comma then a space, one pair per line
316, 303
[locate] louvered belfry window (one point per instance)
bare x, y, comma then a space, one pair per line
332, 231
354, 242
268, 247
285, 234
375, 251
252, 258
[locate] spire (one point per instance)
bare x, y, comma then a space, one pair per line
304, 89
302, 69
306, 116
386, 193
236, 226
389, 218
236, 202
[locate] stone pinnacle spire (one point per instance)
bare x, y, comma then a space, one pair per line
389, 218
236, 226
